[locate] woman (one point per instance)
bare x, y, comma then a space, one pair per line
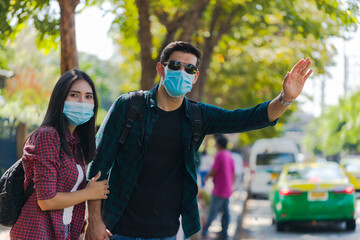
54, 158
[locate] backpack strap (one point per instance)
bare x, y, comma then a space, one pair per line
134, 109
195, 113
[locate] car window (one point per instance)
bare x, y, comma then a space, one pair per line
324, 173
274, 158
352, 167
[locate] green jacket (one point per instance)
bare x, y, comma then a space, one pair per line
126, 160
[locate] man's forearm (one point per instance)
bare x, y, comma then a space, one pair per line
94, 210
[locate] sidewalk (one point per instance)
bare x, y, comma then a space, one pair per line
236, 206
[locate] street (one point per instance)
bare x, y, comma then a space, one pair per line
257, 224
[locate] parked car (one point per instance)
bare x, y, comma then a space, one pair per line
351, 167
267, 158
313, 192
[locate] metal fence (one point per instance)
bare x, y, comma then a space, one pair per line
8, 143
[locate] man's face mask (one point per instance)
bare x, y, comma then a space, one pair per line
78, 113
178, 82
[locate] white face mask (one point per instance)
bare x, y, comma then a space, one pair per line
177, 83
78, 113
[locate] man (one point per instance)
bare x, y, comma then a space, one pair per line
239, 168
223, 174
153, 178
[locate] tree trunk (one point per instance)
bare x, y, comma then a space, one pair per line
148, 65
198, 88
192, 18
69, 56
223, 26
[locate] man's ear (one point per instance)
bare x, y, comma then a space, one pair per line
196, 77
160, 69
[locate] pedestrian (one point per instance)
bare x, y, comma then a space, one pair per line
205, 167
239, 168
54, 159
153, 178
223, 174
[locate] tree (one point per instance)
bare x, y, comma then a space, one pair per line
14, 16
146, 27
337, 129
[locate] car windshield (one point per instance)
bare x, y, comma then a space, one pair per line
352, 166
274, 158
315, 174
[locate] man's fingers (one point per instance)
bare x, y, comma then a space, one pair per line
306, 68
108, 232
308, 74
286, 78
297, 66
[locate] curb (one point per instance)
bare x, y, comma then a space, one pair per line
241, 217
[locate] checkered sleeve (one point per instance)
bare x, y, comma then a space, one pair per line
44, 147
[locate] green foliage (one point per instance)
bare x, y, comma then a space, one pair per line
15, 16
6, 55
16, 111
107, 78
337, 129
28, 92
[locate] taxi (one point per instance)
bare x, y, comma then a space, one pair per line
351, 167
312, 192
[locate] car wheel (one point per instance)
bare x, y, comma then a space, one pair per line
350, 224
280, 226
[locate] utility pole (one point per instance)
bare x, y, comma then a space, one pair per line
346, 71
322, 100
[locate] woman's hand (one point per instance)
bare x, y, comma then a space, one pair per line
97, 189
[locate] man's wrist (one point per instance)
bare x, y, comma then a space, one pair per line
94, 218
284, 101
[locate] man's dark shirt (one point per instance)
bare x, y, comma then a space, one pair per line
150, 212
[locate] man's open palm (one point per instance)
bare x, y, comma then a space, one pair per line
294, 81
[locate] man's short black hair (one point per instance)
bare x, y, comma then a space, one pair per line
180, 46
221, 140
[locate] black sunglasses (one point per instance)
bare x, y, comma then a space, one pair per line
176, 65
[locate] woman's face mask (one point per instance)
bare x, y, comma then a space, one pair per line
78, 113
177, 83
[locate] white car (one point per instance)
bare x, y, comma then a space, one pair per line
267, 158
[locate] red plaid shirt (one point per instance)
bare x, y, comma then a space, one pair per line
52, 171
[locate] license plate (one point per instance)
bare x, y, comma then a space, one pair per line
274, 176
318, 196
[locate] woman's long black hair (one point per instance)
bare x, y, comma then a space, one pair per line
54, 116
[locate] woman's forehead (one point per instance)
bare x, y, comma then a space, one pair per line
81, 85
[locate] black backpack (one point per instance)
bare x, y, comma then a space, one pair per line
134, 110
12, 194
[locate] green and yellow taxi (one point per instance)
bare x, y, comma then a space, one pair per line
313, 192
351, 167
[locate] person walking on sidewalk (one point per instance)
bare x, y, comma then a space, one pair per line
239, 169
223, 174
152, 176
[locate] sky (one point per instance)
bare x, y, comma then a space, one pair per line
92, 37
91, 32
